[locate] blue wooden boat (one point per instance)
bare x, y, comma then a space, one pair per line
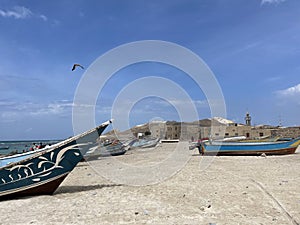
249, 148
42, 172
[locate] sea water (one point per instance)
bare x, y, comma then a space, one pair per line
9, 147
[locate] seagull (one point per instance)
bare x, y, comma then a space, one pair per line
75, 65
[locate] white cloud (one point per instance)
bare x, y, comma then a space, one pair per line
21, 12
43, 17
292, 91
11, 111
273, 79
271, 1
18, 12
57, 108
8, 117
247, 47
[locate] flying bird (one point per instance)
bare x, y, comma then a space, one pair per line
75, 65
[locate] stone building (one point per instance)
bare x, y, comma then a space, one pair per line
173, 130
286, 132
158, 129
215, 128
243, 130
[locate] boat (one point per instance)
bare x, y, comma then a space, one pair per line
84, 137
144, 143
249, 148
106, 149
4, 147
113, 149
151, 143
42, 172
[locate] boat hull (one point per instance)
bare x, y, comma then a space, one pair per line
42, 172
257, 152
144, 143
48, 188
105, 150
255, 148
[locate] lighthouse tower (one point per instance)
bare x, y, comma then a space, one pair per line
248, 119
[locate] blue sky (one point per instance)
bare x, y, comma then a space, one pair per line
252, 47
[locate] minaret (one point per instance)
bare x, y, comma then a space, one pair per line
248, 119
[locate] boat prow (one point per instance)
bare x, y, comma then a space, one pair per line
42, 172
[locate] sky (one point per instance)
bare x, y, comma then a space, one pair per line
251, 47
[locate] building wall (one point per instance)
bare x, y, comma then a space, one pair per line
234, 131
190, 132
158, 129
193, 131
289, 132
173, 131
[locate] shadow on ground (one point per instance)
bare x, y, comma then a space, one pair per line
73, 189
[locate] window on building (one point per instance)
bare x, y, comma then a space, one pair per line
236, 134
216, 134
261, 134
226, 134
247, 135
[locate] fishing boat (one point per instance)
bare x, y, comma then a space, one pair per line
42, 172
106, 149
4, 147
249, 148
144, 143
81, 138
